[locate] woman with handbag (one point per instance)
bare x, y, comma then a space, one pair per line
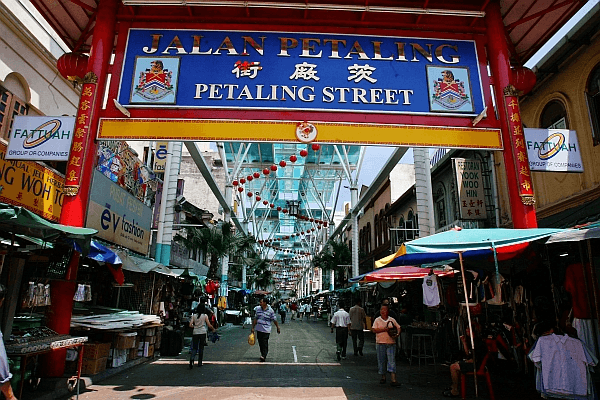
386, 330
199, 322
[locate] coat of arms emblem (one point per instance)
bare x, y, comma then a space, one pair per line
449, 89
154, 83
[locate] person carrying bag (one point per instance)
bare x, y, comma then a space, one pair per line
199, 323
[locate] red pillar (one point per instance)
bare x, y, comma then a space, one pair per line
78, 177
521, 202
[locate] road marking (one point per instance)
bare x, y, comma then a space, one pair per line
295, 355
163, 361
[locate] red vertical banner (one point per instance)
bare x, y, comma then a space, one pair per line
518, 146
82, 130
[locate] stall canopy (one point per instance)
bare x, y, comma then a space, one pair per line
143, 265
472, 243
591, 231
19, 220
399, 273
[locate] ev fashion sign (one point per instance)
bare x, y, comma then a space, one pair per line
118, 216
40, 138
294, 71
553, 150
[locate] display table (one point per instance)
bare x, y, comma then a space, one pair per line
45, 341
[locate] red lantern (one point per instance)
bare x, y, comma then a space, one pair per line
249, 178
325, 224
256, 175
273, 167
316, 146
284, 210
250, 194
266, 171
72, 66
272, 205
303, 153
240, 189
234, 183
282, 163
293, 158
523, 79
242, 181
278, 208
318, 226
265, 202
257, 198
312, 229
302, 232
312, 220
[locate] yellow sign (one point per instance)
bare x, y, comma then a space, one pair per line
32, 186
160, 157
285, 131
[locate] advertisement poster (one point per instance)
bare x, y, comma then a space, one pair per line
553, 150
118, 216
30, 185
40, 138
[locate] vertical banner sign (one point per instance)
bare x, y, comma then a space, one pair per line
517, 143
469, 181
160, 157
78, 147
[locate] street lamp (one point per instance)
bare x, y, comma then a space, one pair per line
293, 207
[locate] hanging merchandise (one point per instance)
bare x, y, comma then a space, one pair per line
431, 293
79, 293
222, 303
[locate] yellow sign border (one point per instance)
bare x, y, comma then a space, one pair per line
284, 131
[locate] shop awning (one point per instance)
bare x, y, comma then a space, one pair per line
143, 265
472, 243
400, 273
576, 235
103, 254
19, 220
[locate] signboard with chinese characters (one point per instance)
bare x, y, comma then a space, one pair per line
40, 138
471, 195
295, 71
30, 185
555, 150
118, 216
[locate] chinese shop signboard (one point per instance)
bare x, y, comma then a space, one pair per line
118, 216
469, 181
30, 185
553, 150
40, 138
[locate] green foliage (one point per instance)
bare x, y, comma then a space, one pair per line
260, 275
336, 256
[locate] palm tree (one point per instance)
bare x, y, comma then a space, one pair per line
218, 241
334, 257
261, 275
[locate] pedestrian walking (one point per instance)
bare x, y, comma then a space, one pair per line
386, 344
263, 317
341, 322
5, 374
294, 309
200, 323
282, 311
358, 322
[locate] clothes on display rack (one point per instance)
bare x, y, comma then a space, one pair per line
586, 329
431, 291
563, 367
36, 295
579, 287
83, 293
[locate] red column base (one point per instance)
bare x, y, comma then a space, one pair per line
58, 318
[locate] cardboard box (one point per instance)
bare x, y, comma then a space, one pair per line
150, 331
133, 354
93, 367
125, 341
150, 350
94, 351
150, 339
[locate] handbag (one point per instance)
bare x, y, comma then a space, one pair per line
251, 339
392, 331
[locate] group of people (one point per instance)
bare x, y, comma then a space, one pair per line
296, 310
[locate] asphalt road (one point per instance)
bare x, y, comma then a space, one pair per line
301, 364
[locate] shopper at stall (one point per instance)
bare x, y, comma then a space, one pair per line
358, 322
5, 374
199, 322
467, 364
263, 317
386, 344
341, 322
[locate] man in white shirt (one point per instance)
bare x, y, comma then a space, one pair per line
341, 322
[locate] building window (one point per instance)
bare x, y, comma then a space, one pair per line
384, 225
368, 238
439, 200
554, 116
10, 106
377, 230
593, 100
410, 226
